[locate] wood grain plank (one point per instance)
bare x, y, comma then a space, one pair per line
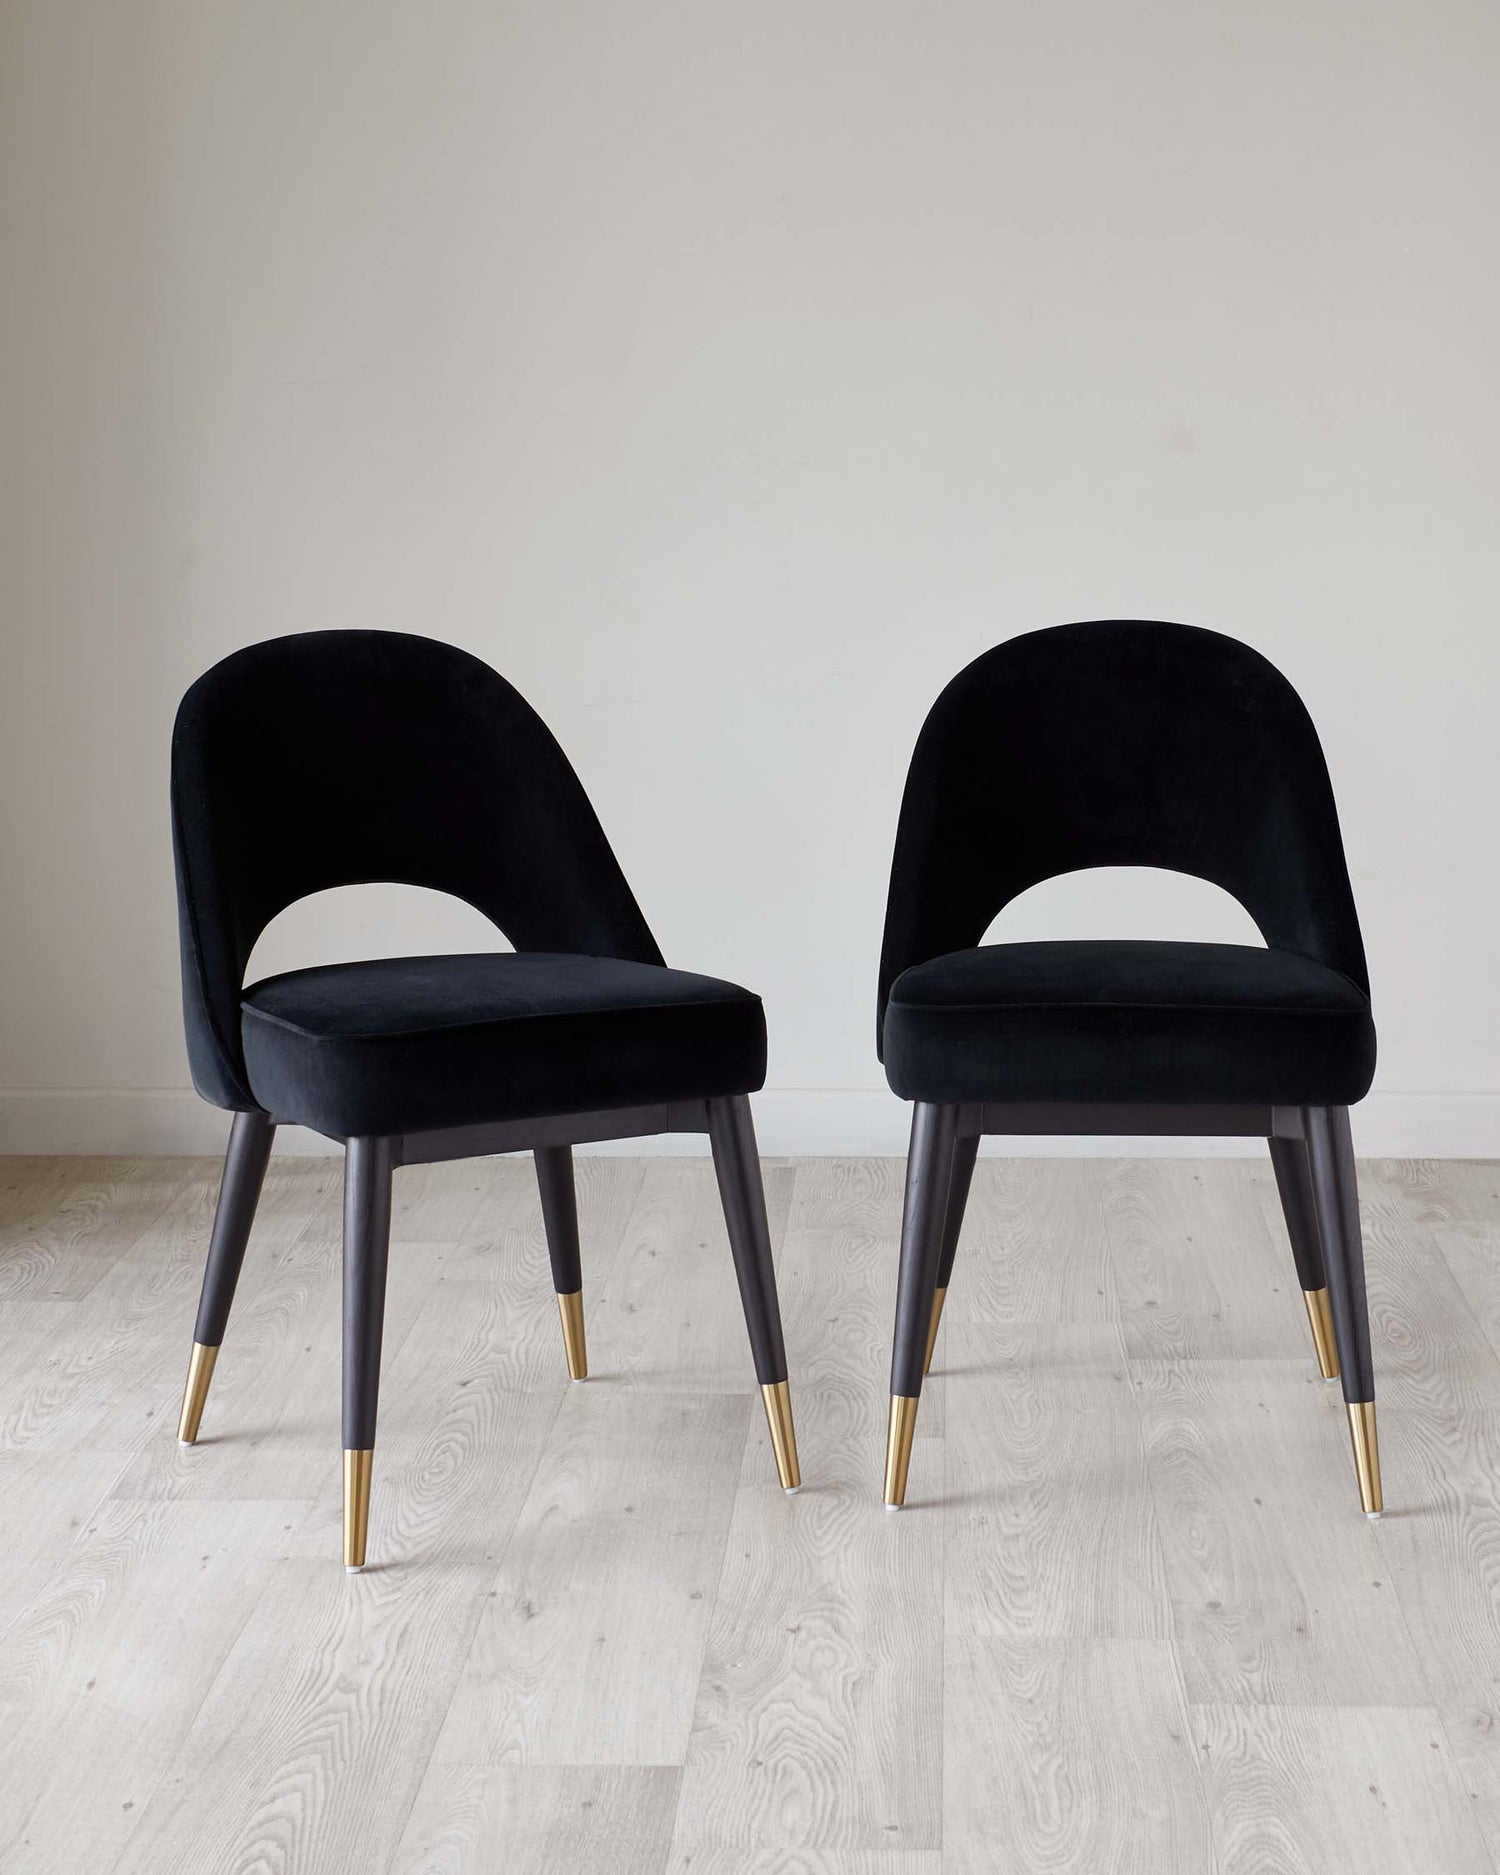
1035, 1244
507, 1224
63, 1223
1472, 1254
101, 1675
1428, 1344
1050, 1524
114, 1380
838, 1293
105, 1383
818, 1720
49, 1497
1277, 1580
1428, 1324
818, 1717
35, 1190
804, 1862
762, 1679
1443, 1547
1304, 1790
272, 1422
35, 1335
1441, 1191
861, 1198
589, 1649
281, 1348
839, 1304
472, 1819
668, 1315
429, 1204
494, 1286
310, 1747
436, 1203
29, 1182
1197, 1272
1067, 1755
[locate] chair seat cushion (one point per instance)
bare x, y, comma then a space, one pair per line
401, 1044
1128, 1021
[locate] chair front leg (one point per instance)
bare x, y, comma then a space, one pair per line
731, 1133
368, 1165
965, 1151
1299, 1207
1331, 1155
245, 1161
554, 1177
929, 1171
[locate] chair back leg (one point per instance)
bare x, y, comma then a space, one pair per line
368, 1165
929, 1172
731, 1134
965, 1151
554, 1178
1330, 1148
245, 1162
1299, 1208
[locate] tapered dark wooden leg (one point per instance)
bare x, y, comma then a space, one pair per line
929, 1169
731, 1133
965, 1151
367, 1241
1294, 1182
1330, 1149
245, 1161
554, 1177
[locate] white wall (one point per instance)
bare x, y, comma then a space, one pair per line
729, 377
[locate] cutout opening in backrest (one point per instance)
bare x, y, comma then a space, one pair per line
1142, 902
348, 923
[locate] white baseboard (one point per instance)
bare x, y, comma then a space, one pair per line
790, 1121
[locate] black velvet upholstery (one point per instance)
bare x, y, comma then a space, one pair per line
339, 758
404, 1043
1126, 1022
1122, 743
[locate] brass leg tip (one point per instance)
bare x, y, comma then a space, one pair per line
570, 1308
939, 1297
357, 1468
195, 1393
1366, 1455
903, 1423
1320, 1320
777, 1399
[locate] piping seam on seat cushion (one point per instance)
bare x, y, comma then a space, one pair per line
1109, 1002
343, 1036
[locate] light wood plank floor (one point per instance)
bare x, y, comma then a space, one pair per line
1131, 1619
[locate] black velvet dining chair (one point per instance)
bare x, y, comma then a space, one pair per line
347, 757
1126, 743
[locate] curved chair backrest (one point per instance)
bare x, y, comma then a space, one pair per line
348, 757
1118, 743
